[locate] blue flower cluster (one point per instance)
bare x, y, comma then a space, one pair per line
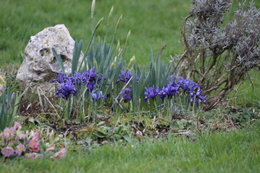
191, 88
66, 89
188, 86
91, 80
151, 92
168, 90
68, 84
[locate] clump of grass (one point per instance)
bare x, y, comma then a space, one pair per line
8, 108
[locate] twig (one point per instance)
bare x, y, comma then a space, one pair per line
50, 104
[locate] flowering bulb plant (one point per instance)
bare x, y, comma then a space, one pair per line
70, 85
127, 87
14, 142
151, 93
177, 86
79, 92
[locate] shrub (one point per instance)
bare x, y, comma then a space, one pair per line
219, 55
83, 93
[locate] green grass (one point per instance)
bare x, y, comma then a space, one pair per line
237, 151
153, 24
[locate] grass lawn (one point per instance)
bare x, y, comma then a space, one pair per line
237, 151
153, 24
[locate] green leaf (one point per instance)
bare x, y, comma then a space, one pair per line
58, 57
76, 56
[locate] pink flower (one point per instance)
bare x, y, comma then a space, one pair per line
33, 143
60, 154
33, 155
20, 149
7, 151
36, 148
17, 125
36, 136
9, 132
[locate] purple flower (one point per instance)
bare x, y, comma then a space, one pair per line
69, 84
163, 92
7, 151
172, 90
168, 90
151, 92
9, 132
96, 95
86, 78
125, 76
60, 78
91, 78
20, 149
90, 86
197, 97
127, 94
66, 89
90, 75
187, 85
78, 78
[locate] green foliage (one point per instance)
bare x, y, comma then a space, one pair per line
104, 133
158, 72
8, 108
11, 83
59, 60
76, 56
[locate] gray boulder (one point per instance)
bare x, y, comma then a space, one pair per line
39, 65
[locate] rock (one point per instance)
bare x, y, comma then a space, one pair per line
2, 84
39, 65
